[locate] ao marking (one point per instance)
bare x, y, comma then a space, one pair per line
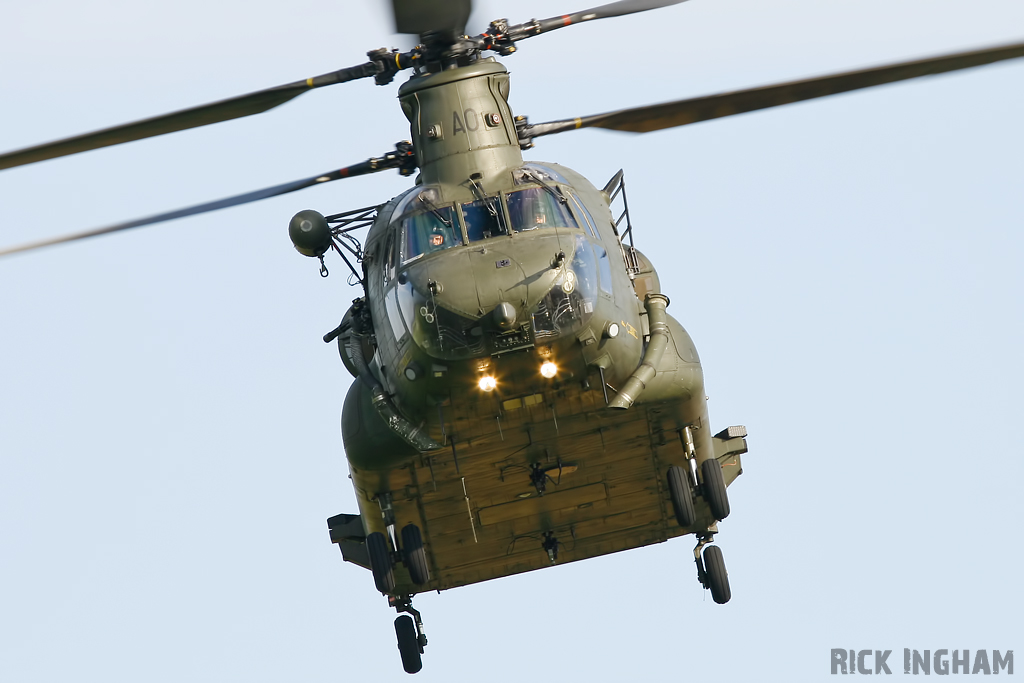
469, 116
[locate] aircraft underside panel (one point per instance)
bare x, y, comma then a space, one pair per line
479, 505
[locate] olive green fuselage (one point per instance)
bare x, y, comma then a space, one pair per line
485, 270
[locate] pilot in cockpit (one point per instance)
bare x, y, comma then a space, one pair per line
437, 238
540, 216
535, 207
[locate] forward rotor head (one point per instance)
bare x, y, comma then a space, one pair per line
440, 26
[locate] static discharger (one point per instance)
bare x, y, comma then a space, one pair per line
469, 509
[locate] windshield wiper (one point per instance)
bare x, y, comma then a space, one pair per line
434, 210
489, 202
557, 194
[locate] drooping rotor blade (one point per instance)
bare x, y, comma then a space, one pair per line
224, 110
423, 16
682, 112
619, 9
402, 158
615, 9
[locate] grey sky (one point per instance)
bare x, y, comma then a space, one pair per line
849, 270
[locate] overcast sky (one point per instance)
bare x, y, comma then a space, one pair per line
848, 268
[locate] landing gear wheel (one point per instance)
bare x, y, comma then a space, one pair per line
380, 562
714, 488
716, 575
682, 499
408, 644
415, 555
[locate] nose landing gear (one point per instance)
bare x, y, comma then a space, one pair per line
711, 569
409, 629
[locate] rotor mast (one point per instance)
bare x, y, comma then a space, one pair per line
461, 124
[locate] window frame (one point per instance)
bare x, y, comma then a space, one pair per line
564, 190
505, 219
399, 225
580, 208
388, 255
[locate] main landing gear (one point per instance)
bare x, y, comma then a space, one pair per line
409, 629
711, 572
712, 488
409, 551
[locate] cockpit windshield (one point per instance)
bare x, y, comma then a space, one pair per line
429, 231
483, 219
538, 207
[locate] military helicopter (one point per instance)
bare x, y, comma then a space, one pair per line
492, 430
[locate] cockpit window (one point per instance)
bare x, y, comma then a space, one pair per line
483, 219
429, 231
538, 207
580, 208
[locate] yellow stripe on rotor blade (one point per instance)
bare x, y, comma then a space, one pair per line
309, 82
579, 121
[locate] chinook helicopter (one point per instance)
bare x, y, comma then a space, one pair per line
506, 328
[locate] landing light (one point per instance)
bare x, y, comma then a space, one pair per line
487, 383
549, 369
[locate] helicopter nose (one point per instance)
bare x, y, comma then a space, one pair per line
500, 296
503, 278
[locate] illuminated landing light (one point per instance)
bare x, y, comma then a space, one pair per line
612, 331
487, 383
548, 369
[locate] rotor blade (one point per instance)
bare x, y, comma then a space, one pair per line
622, 8
615, 9
224, 110
682, 112
389, 160
421, 16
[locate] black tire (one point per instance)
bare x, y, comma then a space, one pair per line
415, 555
714, 488
408, 644
717, 576
682, 499
380, 562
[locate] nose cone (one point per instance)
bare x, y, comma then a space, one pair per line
504, 315
502, 294
477, 279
